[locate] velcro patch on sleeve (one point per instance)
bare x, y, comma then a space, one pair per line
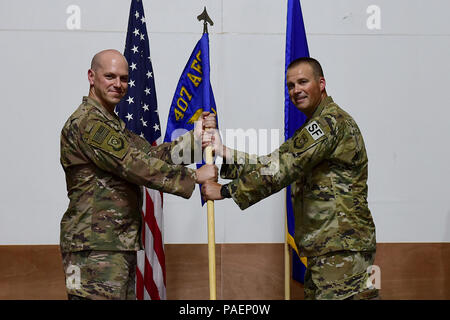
107, 139
310, 135
314, 130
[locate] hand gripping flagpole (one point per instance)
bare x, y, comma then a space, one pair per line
210, 204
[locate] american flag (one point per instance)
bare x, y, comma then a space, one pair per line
139, 111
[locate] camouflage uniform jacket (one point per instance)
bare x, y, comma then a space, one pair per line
326, 163
105, 166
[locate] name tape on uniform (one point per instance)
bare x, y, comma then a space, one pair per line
314, 130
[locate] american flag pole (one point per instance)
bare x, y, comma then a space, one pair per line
139, 111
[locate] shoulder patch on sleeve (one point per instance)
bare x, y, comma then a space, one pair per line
300, 141
100, 134
107, 139
314, 130
308, 136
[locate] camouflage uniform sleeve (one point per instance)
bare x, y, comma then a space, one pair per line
239, 164
118, 153
302, 152
182, 150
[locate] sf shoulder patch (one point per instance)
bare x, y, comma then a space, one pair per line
314, 130
307, 137
107, 139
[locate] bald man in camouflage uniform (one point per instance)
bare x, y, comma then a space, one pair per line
326, 163
105, 166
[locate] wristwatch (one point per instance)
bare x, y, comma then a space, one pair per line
224, 192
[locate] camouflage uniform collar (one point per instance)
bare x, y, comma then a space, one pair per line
325, 101
105, 112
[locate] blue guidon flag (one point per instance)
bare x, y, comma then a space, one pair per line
193, 94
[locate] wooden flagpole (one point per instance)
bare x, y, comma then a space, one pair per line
210, 204
211, 237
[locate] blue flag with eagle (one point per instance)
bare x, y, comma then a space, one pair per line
296, 47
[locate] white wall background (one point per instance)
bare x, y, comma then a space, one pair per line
394, 82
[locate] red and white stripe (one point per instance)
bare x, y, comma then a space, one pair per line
151, 268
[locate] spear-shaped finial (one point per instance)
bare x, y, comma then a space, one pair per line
206, 19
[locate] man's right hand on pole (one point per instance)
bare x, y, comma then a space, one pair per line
207, 121
211, 191
206, 172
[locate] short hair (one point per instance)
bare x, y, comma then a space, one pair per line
315, 65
